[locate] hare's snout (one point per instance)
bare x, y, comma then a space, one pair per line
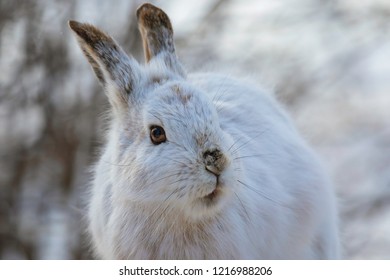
215, 161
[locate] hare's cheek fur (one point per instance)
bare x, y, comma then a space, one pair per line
174, 178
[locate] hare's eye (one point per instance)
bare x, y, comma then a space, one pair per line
157, 135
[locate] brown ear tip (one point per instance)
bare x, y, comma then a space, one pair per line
74, 24
144, 8
150, 11
152, 17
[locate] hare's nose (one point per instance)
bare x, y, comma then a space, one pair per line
214, 161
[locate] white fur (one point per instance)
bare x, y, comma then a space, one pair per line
285, 210
152, 201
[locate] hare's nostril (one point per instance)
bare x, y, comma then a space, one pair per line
212, 154
214, 161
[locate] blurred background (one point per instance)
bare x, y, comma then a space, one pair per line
328, 62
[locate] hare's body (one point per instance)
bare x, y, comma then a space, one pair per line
199, 167
283, 209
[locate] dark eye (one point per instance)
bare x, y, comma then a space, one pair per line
157, 135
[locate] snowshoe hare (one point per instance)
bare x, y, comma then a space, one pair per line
199, 166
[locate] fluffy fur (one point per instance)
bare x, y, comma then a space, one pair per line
233, 180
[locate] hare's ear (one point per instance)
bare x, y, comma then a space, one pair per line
116, 71
157, 36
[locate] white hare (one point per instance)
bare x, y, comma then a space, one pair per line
199, 166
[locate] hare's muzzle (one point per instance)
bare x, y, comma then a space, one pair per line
215, 161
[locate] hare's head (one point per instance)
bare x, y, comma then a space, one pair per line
169, 147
